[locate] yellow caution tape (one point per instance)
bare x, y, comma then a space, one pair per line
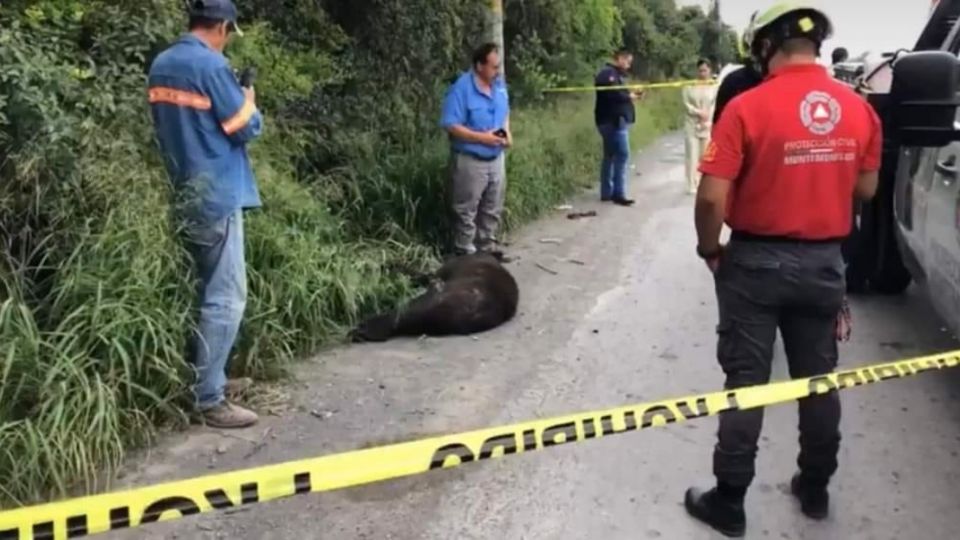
648, 86
163, 502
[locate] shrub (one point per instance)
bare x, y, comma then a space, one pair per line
96, 292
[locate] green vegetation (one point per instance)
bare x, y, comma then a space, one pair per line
95, 290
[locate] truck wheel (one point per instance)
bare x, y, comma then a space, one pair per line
891, 281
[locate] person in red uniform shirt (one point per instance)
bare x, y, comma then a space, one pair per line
787, 159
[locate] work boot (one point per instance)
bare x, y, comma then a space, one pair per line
721, 512
228, 416
497, 254
814, 498
237, 387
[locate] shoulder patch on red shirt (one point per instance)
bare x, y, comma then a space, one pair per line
710, 153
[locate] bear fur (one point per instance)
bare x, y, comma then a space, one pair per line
469, 294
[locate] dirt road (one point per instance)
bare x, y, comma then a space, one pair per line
633, 322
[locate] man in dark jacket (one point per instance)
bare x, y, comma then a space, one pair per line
614, 114
840, 54
734, 84
742, 79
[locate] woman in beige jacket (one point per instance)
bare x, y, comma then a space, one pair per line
699, 100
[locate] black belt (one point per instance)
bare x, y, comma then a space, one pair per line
742, 236
478, 158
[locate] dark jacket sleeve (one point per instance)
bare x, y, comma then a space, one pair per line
602, 78
734, 84
724, 94
609, 77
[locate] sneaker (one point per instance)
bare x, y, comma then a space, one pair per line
723, 515
228, 416
814, 500
622, 201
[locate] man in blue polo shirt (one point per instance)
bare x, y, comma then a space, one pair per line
203, 120
476, 115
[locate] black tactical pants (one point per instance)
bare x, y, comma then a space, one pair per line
798, 288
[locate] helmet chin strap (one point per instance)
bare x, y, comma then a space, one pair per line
763, 57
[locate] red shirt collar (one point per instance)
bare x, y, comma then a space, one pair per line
798, 69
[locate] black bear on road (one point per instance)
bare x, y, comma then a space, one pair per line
467, 295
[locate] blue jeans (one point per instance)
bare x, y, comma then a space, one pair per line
217, 251
616, 155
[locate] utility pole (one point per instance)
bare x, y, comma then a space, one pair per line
494, 27
716, 26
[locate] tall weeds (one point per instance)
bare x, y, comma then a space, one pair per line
96, 292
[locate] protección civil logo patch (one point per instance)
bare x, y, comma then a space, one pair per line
820, 112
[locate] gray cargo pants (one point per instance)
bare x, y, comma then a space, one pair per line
478, 190
798, 288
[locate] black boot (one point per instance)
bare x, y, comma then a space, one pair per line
721, 511
813, 496
623, 201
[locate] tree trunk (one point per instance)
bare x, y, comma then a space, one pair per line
494, 28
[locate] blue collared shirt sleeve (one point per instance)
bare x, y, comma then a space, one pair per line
239, 118
454, 110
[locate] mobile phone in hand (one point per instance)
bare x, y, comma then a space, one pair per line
248, 76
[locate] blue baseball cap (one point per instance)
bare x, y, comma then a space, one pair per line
224, 10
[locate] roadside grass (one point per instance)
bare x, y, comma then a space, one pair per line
95, 319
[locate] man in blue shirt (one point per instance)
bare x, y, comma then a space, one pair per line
476, 115
614, 113
203, 120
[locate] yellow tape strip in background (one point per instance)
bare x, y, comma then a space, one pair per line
163, 502
648, 86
